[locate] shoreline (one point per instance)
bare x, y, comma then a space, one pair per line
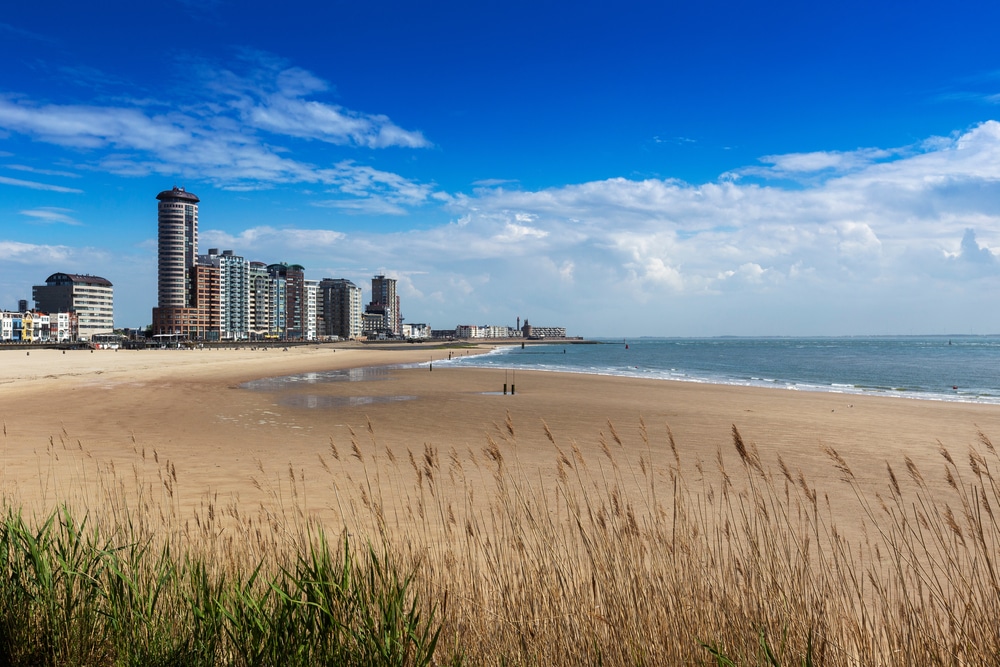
912, 388
768, 385
489, 347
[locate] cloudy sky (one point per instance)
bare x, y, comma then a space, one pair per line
620, 169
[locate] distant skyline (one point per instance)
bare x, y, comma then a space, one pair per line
626, 169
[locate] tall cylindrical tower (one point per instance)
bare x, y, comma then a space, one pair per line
177, 248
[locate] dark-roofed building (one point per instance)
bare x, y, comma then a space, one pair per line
385, 302
177, 247
91, 298
339, 309
289, 323
177, 311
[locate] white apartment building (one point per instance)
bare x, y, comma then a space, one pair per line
311, 309
482, 331
417, 331
7, 325
61, 327
495, 331
467, 331
92, 298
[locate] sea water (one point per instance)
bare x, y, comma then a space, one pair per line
961, 368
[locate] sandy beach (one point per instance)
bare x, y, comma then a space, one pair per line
185, 409
562, 501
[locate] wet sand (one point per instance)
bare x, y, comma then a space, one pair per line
185, 409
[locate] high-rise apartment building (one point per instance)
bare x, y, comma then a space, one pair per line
311, 288
205, 321
339, 308
290, 312
260, 300
177, 254
177, 247
276, 302
91, 298
234, 293
386, 301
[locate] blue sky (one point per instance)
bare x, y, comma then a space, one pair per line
620, 169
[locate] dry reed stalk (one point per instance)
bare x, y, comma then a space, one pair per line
600, 564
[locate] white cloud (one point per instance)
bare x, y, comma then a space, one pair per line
566, 270
857, 240
513, 233
237, 131
273, 244
806, 163
493, 182
273, 96
82, 126
52, 214
31, 253
266, 241
973, 252
42, 172
367, 206
34, 185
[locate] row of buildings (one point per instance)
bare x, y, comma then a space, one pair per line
493, 331
68, 307
224, 296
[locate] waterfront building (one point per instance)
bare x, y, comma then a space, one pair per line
482, 331
339, 309
467, 331
7, 326
529, 331
177, 246
206, 285
276, 306
27, 334
91, 298
311, 288
295, 291
63, 327
234, 292
33, 326
41, 326
176, 313
416, 331
289, 302
494, 331
385, 301
373, 324
259, 301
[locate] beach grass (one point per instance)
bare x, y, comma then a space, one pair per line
423, 556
